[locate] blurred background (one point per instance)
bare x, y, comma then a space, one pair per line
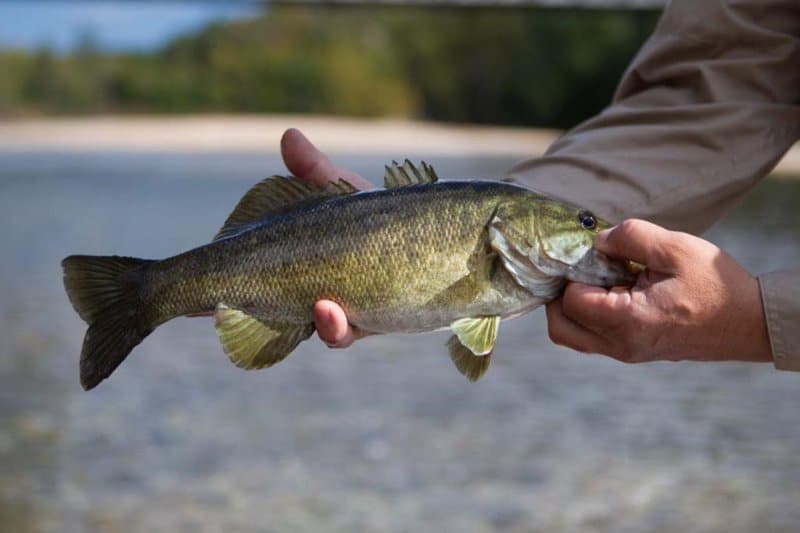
133, 128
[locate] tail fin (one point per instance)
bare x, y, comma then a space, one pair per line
105, 293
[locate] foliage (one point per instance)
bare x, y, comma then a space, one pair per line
534, 66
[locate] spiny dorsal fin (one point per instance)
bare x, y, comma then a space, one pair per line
251, 343
408, 174
276, 195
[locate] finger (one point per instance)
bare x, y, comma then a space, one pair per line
653, 246
596, 308
566, 332
305, 161
332, 326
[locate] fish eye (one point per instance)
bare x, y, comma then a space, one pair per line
587, 220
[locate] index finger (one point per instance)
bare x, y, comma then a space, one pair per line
640, 241
596, 308
305, 161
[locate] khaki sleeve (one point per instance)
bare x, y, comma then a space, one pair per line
706, 109
780, 294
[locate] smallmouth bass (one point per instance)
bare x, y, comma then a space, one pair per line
419, 255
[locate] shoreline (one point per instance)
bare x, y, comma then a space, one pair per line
260, 134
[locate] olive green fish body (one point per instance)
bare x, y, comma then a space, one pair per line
419, 255
411, 259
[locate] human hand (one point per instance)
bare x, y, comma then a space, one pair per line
306, 162
693, 302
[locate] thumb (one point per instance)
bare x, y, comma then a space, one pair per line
642, 242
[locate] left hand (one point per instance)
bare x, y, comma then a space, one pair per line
305, 161
693, 302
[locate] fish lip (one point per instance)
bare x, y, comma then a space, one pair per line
596, 268
609, 274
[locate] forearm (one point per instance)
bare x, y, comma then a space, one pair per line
704, 112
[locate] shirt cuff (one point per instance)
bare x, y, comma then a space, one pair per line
780, 295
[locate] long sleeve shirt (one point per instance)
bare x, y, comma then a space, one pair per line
705, 110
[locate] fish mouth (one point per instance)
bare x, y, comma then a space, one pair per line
596, 268
593, 268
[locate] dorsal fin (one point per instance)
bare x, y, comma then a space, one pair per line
407, 174
276, 195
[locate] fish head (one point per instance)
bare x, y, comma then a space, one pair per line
544, 242
565, 236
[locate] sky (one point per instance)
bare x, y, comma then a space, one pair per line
115, 25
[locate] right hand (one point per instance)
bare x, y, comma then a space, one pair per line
306, 162
694, 302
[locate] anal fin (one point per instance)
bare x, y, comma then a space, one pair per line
251, 343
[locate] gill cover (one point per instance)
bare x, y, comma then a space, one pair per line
546, 243
517, 251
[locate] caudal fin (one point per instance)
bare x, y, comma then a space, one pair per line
105, 293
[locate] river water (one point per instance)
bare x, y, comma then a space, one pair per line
385, 436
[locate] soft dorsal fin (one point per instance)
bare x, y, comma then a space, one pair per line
276, 195
407, 174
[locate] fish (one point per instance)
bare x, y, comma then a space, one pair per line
420, 254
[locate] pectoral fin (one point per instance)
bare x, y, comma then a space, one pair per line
477, 334
471, 346
251, 343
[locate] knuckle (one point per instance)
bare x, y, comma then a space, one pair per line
692, 248
628, 228
681, 244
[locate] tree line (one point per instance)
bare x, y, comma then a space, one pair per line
502, 66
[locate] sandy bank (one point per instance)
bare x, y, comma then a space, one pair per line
260, 134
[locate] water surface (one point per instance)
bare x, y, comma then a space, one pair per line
385, 436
